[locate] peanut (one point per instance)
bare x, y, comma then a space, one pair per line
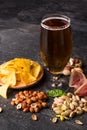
32, 101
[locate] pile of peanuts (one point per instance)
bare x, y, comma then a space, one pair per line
73, 63
32, 101
69, 105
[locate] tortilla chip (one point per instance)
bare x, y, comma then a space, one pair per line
18, 71
3, 91
35, 69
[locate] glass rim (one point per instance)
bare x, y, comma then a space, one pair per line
57, 16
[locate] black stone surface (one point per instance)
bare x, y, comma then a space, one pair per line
19, 37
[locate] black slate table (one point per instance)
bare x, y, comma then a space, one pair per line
19, 37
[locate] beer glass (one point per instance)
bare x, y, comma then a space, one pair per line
55, 42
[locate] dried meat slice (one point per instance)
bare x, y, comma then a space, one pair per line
77, 79
82, 90
79, 82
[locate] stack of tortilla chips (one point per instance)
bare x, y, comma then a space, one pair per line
16, 73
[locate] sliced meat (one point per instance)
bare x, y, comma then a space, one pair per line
79, 82
77, 79
82, 90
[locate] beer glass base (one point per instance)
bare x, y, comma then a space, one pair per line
56, 80
56, 73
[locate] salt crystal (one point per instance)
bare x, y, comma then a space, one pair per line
60, 84
53, 85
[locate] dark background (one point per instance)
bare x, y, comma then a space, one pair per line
32, 11
19, 37
16, 12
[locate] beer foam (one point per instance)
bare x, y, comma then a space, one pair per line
64, 18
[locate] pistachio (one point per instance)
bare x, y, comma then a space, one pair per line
64, 107
60, 100
78, 122
56, 108
81, 104
58, 103
64, 97
72, 114
83, 100
72, 106
77, 98
69, 95
54, 119
69, 105
85, 109
58, 111
66, 113
85, 104
65, 102
54, 105
75, 103
79, 112
79, 108
74, 98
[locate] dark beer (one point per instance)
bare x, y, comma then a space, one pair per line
55, 43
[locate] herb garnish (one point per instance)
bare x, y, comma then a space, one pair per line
55, 93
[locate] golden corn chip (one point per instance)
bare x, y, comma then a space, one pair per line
9, 79
3, 91
35, 69
18, 71
27, 78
